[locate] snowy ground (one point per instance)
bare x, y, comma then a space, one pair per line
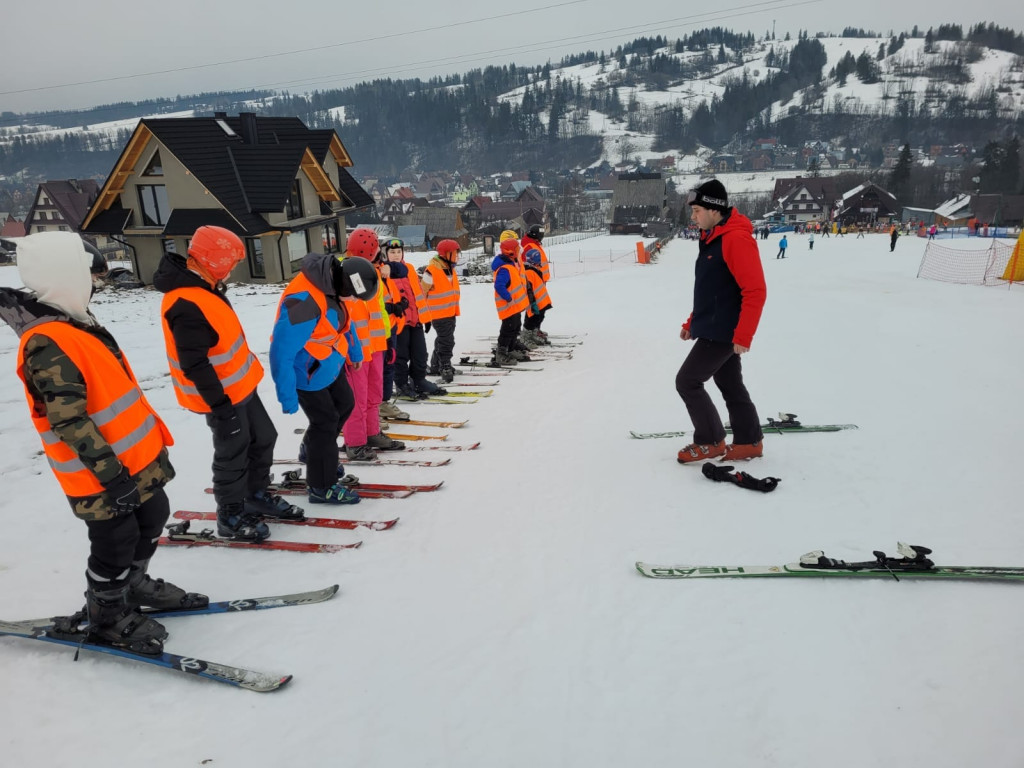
501, 622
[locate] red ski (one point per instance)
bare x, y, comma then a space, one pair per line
179, 536
364, 492
319, 522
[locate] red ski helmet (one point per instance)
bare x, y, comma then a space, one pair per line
363, 243
217, 250
510, 247
447, 248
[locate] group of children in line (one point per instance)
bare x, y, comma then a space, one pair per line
349, 333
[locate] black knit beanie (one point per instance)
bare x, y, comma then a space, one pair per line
711, 194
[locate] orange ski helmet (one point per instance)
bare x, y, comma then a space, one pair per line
217, 250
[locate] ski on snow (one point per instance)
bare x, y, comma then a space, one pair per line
72, 635
317, 522
293, 482
462, 398
422, 423
415, 438
785, 424
483, 363
179, 535
913, 563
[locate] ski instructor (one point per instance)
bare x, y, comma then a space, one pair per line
728, 297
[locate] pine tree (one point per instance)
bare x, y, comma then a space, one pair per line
899, 179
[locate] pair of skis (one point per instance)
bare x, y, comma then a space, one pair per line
784, 425
913, 563
68, 631
473, 362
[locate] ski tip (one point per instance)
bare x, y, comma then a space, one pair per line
266, 684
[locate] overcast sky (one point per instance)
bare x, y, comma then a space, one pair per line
52, 58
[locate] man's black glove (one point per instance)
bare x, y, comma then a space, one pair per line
426, 328
722, 474
401, 306
123, 494
225, 423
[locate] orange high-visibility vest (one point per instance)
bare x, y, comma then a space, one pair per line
517, 289
545, 265
443, 299
359, 317
326, 338
378, 328
540, 292
114, 402
235, 365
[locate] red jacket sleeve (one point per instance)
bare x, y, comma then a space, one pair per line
743, 259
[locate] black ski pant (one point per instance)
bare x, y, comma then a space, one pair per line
411, 356
327, 410
241, 463
717, 360
509, 331
117, 542
444, 343
389, 368
532, 323
781, 254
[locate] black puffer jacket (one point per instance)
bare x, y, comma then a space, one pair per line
193, 334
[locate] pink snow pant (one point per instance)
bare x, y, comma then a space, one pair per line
368, 389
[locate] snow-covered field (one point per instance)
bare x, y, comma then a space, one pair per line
501, 623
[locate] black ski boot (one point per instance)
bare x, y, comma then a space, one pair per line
267, 504
428, 388
233, 522
113, 622
447, 374
146, 592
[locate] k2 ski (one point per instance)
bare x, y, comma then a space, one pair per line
318, 522
179, 535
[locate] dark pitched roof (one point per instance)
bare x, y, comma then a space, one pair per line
183, 222
998, 209
73, 198
354, 191
109, 222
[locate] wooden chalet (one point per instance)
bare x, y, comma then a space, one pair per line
639, 198
279, 185
867, 203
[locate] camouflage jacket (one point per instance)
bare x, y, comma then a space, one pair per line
56, 384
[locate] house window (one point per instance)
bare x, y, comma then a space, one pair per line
62, 229
169, 246
298, 247
293, 208
254, 248
153, 201
330, 237
154, 167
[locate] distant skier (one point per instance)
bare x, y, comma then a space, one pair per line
810, 241
783, 245
102, 439
894, 235
728, 296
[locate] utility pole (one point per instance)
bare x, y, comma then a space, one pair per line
773, 29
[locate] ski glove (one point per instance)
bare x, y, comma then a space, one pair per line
225, 423
726, 475
426, 328
398, 308
123, 494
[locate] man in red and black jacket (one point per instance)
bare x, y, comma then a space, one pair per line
728, 296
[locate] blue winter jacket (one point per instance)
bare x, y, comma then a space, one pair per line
502, 279
291, 366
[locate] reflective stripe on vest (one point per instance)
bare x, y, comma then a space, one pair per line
421, 302
379, 326
114, 402
516, 288
443, 299
236, 366
540, 292
325, 339
359, 318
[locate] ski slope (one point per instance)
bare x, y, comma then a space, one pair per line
501, 622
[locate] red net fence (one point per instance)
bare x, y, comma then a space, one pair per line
998, 263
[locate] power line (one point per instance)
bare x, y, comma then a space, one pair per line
540, 46
295, 52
